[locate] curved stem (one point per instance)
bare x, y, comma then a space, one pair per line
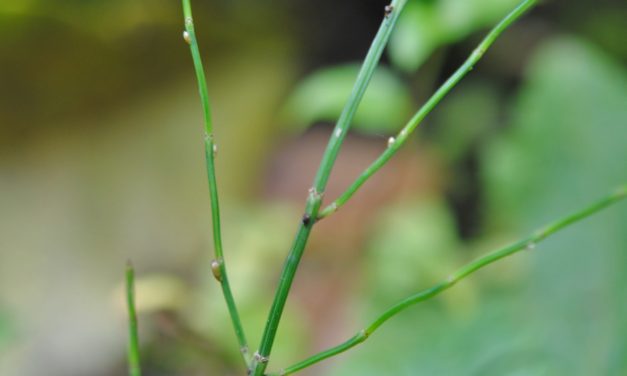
526, 243
218, 265
395, 143
319, 185
134, 368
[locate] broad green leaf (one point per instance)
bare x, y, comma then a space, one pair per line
322, 95
412, 247
567, 146
464, 119
426, 25
417, 34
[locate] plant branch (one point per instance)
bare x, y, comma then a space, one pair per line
526, 243
218, 265
134, 368
395, 143
314, 199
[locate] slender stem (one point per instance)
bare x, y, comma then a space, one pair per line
526, 243
218, 265
395, 143
314, 199
133, 338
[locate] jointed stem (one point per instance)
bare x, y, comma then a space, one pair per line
395, 143
220, 272
133, 338
526, 243
315, 195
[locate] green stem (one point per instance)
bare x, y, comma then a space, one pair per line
314, 199
219, 268
395, 143
526, 243
133, 338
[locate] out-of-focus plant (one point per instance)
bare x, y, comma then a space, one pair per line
427, 25
423, 27
257, 362
321, 96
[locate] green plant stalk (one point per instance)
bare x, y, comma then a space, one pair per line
314, 199
395, 143
526, 243
134, 368
219, 268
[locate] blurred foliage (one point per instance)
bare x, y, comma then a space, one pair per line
563, 315
6, 329
424, 243
101, 160
428, 24
321, 97
156, 292
465, 119
423, 27
568, 139
567, 144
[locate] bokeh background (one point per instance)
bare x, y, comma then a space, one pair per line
101, 161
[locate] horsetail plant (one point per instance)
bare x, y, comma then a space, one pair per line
257, 363
217, 265
133, 338
527, 243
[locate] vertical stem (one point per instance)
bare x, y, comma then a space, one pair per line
133, 338
218, 265
314, 199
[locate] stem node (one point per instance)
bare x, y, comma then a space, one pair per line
388, 10
260, 358
215, 270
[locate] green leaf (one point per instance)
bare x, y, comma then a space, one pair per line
566, 145
426, 25
412, 246
461, 121
417, 34
567, 141
321, 97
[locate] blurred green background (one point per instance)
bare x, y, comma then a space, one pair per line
101, 161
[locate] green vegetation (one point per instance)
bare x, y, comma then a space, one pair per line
134, 367
313, 213
106, 156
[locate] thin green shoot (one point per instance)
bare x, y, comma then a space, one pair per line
218, 265
134, 368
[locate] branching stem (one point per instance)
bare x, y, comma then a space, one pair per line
395, 143
529, 242
320, 182
190, 38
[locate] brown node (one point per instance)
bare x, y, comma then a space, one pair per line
306, 219
216, 271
